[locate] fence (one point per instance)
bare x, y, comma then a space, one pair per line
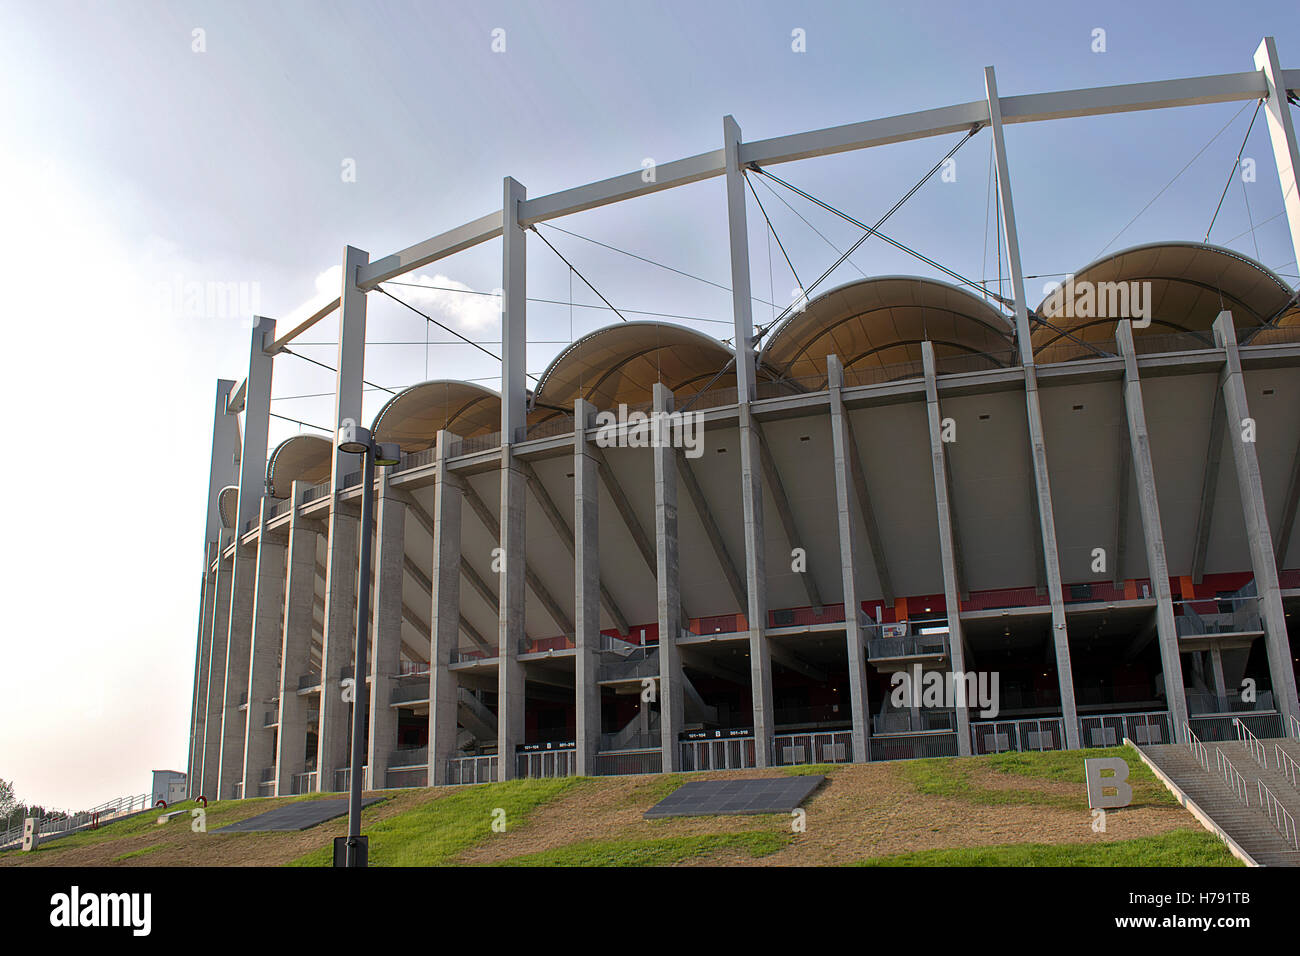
1235, 781
64, 823
1279, 815
409, 692
832, 747
998, 736
562, 762
921, 645
1109, 730
625, 762
1221, 728
1251, 743
479, 769
1287, 765
1199, 752
905, 722
913, 746
304, 782
734, 754
404, 757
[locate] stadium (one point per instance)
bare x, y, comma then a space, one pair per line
1091, 497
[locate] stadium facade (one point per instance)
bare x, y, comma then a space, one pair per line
1093, 501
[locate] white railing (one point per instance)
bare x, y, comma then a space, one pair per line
1251, 743
1280, 815
1285, 763
304, 782
1197, 748
809, 748
477, 769
1235, 781
997, 736
1293, 725
63, 823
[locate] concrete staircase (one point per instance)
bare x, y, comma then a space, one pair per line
1249, 827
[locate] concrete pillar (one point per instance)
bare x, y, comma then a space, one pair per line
1153, 533
264, 658
1281, 131
1034, 415
204, 651
445, 613
295, 656
586, 581
333, 737
511, 630
1216, 668
386, 632
343, 551
672, 700
738, 230
947, 548
239, 641
216, 666
760, 660
859, 705
223, 471
1251, 489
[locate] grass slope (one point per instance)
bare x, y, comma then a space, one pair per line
1176, 848
433, 833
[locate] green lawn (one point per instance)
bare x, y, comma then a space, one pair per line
433, 833
1176, 848
951, 777
664, 851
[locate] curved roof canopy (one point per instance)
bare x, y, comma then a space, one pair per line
1190, 284
621, 363
413, 416
881, 322
306, 458
228, 505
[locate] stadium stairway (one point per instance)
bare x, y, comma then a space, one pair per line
1249, 826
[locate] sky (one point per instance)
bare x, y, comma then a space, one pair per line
150, 151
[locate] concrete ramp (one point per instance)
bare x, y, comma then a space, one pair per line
300, 815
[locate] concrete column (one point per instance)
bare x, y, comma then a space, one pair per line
216, 667
859, 706
204, 651
760, 661
947, 548
514, 315
510, 674
264, 658
343, 551
386, 631
1251, 489
1034, 415
738, 229
586, 599
672, 701
1216, 669
1281, 130
333, 737
445, 614
239, 641
223, 471
295, 657
1153, 533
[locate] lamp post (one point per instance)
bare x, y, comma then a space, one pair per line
355, 440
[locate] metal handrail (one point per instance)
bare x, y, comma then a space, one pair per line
1287, 765
1293, 725
1197, 748
1251, 743
1235, 781
1280, 815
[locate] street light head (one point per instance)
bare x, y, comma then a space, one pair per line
387, 453
352, 438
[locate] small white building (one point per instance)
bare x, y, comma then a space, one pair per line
168, 785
